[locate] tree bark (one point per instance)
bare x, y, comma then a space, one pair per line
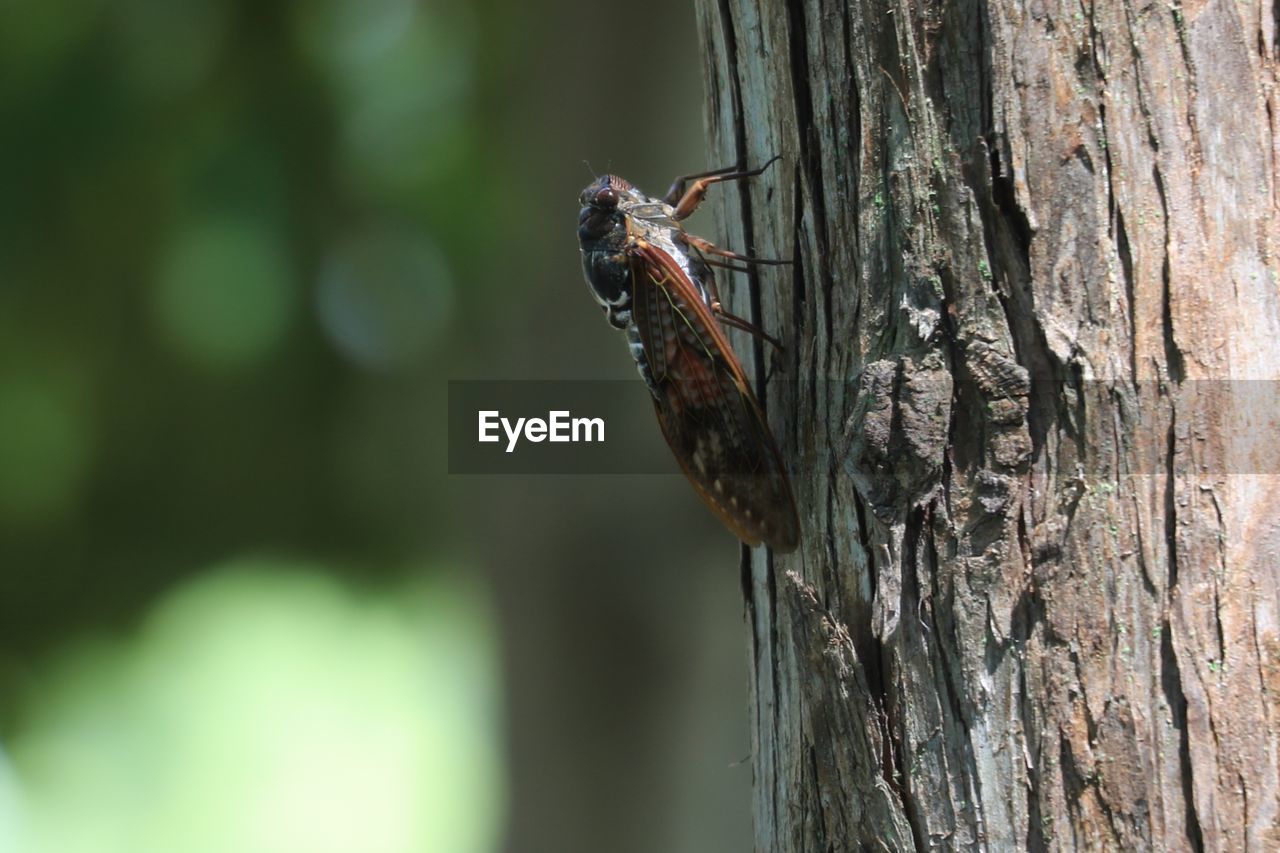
1027, 396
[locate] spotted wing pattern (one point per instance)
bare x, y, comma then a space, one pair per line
705, 405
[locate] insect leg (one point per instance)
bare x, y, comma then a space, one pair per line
689, 202
704, 245
676, 192
713, 302
745, 325
725, 265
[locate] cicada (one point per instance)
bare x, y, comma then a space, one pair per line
655, 283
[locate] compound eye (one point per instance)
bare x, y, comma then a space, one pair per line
606, 198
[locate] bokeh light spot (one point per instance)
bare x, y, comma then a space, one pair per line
225, 294
385, 294
401, 75
264, 708
352, 32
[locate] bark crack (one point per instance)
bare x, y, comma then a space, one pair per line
1172, 352
1171, 678
810, 149
824, 835
1171, 683
744, 194
1193, 135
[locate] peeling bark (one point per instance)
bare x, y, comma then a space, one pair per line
1028, 395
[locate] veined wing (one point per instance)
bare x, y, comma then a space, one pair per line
705, 406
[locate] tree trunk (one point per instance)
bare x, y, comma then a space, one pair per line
1035, 265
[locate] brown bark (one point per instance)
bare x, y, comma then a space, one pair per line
1035, 242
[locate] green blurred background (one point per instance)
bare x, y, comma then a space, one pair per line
243, 607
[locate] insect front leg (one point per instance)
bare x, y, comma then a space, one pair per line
686, 203
676, 192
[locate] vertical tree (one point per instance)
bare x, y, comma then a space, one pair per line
1031, 342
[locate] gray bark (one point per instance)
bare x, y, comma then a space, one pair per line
1035, 243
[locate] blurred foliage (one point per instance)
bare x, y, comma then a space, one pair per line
118, 750
242, 247
217, 215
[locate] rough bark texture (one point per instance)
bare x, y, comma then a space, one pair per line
1036, 605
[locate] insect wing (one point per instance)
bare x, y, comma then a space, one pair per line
705, 406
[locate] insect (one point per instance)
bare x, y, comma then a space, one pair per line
655, 283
